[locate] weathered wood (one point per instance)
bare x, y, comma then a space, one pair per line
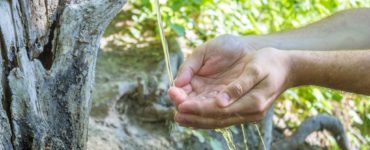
312, 124
49, 50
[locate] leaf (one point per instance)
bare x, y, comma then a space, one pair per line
136, 33
318, 95
177, 4
216, 145
355, 117
337, 96
146, 3
180, 30
198, 135
234, 130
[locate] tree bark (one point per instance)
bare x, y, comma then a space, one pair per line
49, 50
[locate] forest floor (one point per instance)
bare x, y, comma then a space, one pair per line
110, 129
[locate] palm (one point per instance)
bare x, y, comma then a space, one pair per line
222, 63
211, 68
207, 85
225, 82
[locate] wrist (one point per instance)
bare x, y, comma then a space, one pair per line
280, 41
256, 42
278, 63
300, 70
288, 63
294, 80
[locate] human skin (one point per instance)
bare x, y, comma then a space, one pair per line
235, 79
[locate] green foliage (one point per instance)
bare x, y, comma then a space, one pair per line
200, 20
297, 104
195, 21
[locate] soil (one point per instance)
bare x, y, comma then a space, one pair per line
116, 120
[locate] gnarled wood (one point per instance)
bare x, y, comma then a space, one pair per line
312, 124
49, 50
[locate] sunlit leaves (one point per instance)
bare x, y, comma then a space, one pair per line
180, 30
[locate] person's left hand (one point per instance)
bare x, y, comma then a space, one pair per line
240, 93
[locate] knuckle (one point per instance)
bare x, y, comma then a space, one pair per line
254, 70
260, 117
260, 108
255, 97
248, 83
236, 90
259, 104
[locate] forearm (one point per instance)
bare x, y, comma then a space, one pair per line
343, 70
344, 30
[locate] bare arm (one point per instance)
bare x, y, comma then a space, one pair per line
267, 73
343, 70
346, 30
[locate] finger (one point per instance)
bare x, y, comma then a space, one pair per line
190, 67
252, 76
187, 89
201, 106
188, 120
177, 95
257, 101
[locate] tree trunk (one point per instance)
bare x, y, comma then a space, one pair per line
48, 55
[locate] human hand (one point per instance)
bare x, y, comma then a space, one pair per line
210, 61
241, 92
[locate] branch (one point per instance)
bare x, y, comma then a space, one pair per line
312, 124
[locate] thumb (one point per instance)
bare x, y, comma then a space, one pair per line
239, 87
190, 67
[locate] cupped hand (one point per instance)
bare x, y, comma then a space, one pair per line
228, 87
209, 67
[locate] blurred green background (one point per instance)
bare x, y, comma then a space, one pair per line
193, 22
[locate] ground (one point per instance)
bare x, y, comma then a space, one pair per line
118, 118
